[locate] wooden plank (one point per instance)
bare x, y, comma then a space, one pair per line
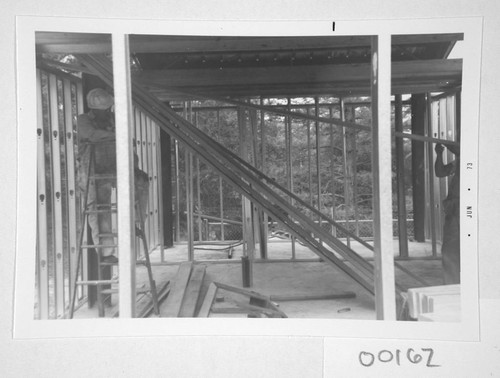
312, 297
144, 303
145, 308
268, 312
192, 293
410, 71
400, 86
385, 301
208, 301
125, 175
172, 305
238, 290
42, 241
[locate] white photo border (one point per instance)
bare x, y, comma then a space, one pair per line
25, 326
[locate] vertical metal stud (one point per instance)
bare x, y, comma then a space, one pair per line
71, 180
43, 266
57, 197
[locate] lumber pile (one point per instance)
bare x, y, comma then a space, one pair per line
185, 299
434, 303
144, 303
184, 292
241, 301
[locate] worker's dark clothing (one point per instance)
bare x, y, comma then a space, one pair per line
99, 134
450, 249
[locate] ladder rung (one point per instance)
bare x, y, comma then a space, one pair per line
138, 262
97, 282
97, 246
100, 211
109, 234
103, 176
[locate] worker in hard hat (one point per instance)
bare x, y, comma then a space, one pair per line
96, 130
450, 249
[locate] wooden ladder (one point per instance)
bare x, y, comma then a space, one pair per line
103, 293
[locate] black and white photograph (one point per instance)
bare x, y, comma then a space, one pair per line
255, 177
306, 180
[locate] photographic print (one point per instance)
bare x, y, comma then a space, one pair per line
244, 177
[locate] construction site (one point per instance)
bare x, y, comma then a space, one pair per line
272, 192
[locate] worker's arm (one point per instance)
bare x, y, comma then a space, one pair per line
440, 168
88, 131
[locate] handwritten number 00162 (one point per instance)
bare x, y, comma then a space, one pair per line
368, 359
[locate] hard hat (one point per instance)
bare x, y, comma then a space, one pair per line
99, 99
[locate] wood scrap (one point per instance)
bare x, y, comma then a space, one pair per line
312, 297
172, 306
192, 292
208, 301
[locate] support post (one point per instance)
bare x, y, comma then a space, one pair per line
347, 179
248, 235
289, 165
418, 166
166, 185
432, 177
332, 168
189, 204
125, 174
318, 156
177, 194
400, 173
385, 303
264, 226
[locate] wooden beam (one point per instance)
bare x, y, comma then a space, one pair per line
192, 293
200, 80
172, 306
125, 175
302, 90
385, 301
208, 301
412, 39
56, 42
312, 297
